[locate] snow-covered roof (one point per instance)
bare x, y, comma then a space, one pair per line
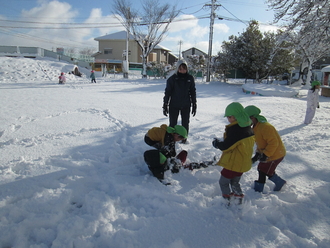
121, 35
195, 49
161, 47
326, 69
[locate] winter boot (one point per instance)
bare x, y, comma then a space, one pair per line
258, 187
239, 199
279, 182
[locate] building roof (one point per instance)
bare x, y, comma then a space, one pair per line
195, 49
161, 47
121, 35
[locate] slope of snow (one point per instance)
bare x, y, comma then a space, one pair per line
72, 172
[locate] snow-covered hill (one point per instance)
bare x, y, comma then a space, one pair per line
72, 172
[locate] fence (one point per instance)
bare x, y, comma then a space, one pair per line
34, 52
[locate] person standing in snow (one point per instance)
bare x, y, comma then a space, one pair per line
312, 101
237, 148
270, 150
61, 78
163, 138
92, 76
180, 95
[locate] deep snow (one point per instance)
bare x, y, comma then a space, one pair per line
72, 172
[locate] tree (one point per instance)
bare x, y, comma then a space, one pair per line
257, 54
307, 25
196, 64
148, 28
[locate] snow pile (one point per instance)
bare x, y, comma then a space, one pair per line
72, 172
270, 90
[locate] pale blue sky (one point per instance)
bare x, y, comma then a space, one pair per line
82, 18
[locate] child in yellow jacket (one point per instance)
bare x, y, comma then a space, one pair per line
270, 149
237, 148
162, 138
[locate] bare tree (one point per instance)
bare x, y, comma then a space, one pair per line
307, 25
148, 27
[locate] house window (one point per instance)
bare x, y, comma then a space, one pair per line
107, 50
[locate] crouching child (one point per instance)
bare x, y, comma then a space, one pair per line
163, 139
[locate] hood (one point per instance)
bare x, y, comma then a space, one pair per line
180, 62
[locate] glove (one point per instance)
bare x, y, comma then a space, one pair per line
165, 109
263, 158
216, 142
194, 108
164, 150
256, 157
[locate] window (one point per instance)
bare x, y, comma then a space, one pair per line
107, 50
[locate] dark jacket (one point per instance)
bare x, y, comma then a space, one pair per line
180, 91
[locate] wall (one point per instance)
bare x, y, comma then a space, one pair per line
33, 52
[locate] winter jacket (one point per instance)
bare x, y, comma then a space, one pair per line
237, 148
92, 76
62, 78
165, 141
180, 91
268, 141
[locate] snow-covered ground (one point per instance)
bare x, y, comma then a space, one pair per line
72, 172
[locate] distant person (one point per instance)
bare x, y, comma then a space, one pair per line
237, 149
270, 150
61, 78
312, 101
92, 76
163, 139
180, 96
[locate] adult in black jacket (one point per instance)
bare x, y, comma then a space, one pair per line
180, 96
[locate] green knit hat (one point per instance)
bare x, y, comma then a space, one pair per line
237, 110
179, 130
254, 111
162, 158
315, 83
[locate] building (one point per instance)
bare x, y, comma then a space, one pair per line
193, 51
112, 49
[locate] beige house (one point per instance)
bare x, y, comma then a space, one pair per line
193, 51
111, 52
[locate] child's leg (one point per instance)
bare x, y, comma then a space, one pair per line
224, 186
235, 185
262, 177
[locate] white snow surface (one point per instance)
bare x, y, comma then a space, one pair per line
72, 172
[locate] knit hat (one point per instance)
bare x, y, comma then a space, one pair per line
162, 158
315, 83
254, 111
179, 130
237, 110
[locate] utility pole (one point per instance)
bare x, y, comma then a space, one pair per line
126, 56
180, 43
213, 8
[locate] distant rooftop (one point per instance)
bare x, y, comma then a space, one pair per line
122, 35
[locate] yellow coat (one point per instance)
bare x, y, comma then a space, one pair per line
268, 141
238, 156
158, 133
